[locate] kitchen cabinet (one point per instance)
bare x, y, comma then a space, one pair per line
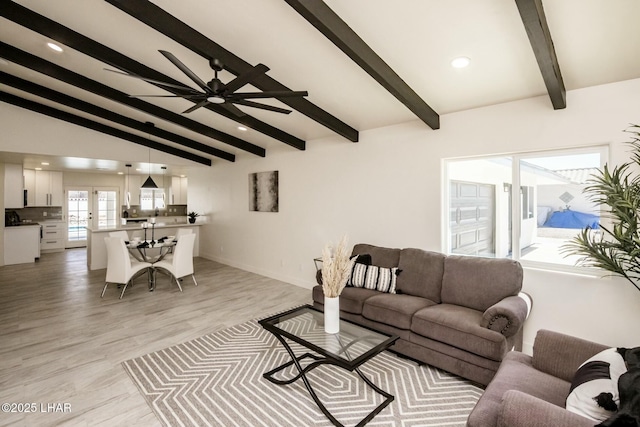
178, 190
13, 186
30, 186
52, 236
135, 181
49, 191
21, 244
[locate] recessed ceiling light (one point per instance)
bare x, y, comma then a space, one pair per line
45, 163
183, 176
38, 169
242, 128
120, 173
460, 62
54, 46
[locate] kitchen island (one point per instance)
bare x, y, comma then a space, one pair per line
97, 250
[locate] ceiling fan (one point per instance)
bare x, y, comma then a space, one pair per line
216, 92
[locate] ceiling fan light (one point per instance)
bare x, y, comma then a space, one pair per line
215, 100
149, 183
54, 46
460, 62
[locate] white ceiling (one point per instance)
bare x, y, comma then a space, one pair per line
596, 42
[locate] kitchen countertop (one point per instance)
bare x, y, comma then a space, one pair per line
139, 227
22, 224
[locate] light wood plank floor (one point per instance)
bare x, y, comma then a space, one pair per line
61, 343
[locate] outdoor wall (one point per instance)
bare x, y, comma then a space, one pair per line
387, 190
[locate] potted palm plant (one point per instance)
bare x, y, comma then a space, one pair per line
617, 190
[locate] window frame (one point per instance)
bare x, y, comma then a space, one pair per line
516, 204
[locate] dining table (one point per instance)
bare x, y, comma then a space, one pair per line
151, 251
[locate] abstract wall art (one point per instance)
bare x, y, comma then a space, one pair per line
263, 191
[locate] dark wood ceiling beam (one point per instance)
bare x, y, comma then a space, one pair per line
535, 22
33, 62
335, 29
99, 127
86, 107
45, 26
170, 26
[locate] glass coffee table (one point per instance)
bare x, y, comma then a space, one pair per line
348, 349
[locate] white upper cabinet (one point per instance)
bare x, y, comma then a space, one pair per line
44, 188
13, 186
178, 191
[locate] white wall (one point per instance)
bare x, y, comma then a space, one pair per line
387, 190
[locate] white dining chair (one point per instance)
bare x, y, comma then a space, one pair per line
122, 234
183, 231
179, 232
120, 268
181, 263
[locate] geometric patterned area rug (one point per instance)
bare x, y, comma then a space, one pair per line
216, 380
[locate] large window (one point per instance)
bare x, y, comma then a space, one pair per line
523, 206
152, 198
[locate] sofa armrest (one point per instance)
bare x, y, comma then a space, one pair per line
507, 316
560, 355
519, 409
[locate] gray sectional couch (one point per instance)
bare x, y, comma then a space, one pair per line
460, 314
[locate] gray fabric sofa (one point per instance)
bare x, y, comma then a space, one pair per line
530, 391
460, 314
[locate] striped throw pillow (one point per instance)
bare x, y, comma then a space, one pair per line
373, 277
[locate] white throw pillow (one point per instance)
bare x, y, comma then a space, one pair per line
597, 375
373, 277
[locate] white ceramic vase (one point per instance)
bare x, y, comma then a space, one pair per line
332, 315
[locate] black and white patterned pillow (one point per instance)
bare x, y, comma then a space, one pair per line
373, 277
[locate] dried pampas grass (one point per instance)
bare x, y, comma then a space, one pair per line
336, 268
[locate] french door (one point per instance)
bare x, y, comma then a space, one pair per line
94, 207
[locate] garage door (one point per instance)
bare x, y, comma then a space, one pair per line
472, 218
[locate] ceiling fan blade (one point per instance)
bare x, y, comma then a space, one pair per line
175, 61
246, 77
233, 109
268, 94
261, 106
196, 106
194, 96
135, 76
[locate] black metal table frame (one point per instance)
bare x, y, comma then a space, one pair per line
142, 256
327, 359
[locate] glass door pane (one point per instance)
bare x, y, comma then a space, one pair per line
78, 216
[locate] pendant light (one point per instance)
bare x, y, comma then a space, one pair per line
128, 196
149, 182
164, 187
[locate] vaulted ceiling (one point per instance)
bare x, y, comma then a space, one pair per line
364, 63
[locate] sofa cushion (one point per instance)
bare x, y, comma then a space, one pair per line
479, 283
421, 273
459, 327
383, 257
516, 373
395, 310
373, 277
351, 299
